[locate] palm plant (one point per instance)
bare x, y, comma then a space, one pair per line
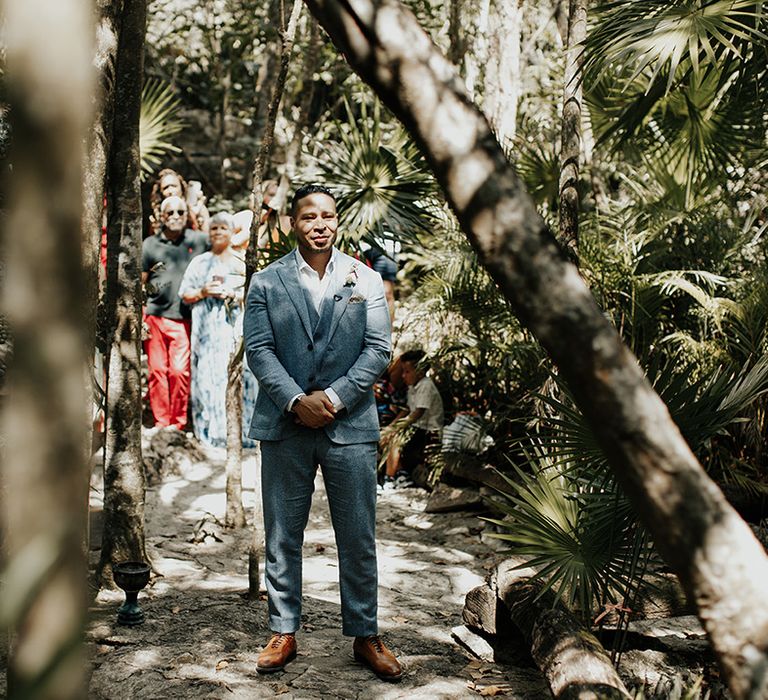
382, 185
671, 78
581, 535
158, 123
571, 518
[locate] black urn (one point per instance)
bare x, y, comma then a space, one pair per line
131, 576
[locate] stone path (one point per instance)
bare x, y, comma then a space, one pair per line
201, 638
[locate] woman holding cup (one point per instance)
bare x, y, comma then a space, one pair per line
213, 286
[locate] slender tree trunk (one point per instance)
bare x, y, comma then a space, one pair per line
477, 55
570, 148
720, 563
457, 44
288, 35
94, 187
293, 153
99, 137
124, 480
501, 89
48, 88
234, 513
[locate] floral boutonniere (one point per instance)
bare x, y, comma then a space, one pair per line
351, 279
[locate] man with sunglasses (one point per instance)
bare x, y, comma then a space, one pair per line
165, 257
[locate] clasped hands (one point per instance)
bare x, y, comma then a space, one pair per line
314, 410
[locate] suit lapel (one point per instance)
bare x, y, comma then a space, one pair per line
342, 294
289, 276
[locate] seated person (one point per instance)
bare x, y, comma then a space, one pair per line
424, 414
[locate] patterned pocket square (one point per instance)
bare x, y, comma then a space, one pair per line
357, 299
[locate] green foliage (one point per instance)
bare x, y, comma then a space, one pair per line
382, 185
159, 122
672, 38
570, 516
685, 81
581, 535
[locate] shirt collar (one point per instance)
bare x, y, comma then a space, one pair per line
304, 265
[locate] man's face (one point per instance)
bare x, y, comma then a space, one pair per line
315, 223
170, 186
174, 215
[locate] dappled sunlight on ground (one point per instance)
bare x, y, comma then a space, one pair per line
201, 637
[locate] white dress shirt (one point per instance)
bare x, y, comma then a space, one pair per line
311, 280
317, 288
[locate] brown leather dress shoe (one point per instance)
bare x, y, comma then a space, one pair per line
372, 652
280, 649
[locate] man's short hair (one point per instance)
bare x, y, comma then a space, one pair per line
305, 191
415, 357
223, 217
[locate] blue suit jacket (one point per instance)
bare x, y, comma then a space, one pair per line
347, 350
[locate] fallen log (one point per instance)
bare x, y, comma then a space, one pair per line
571, 658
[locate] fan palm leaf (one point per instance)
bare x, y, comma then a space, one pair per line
159, 122
669, 38
579, 539
382, 185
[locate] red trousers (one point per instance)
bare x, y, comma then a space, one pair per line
168, 362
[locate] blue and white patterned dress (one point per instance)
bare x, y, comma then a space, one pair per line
217, 327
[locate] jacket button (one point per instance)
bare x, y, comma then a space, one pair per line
312, 378
310, 347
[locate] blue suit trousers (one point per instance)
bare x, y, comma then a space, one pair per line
349, 471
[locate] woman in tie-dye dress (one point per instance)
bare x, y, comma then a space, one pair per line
213, 286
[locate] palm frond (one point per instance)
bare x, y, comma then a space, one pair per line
671, 38
158, 123
383, 188
579, 538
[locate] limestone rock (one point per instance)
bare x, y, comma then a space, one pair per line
473, 642
446, 499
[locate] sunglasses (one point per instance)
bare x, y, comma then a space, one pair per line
180, 212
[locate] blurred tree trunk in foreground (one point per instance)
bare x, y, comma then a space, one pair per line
124, 479
45, 472
570, 149
721, 565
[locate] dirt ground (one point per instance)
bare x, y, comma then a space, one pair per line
201, 638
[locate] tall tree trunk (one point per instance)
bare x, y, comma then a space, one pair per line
721, 565
288, 35
570, 148
477, 54
457, 45
94, 183
48, 89
501, 87
99, 138
124, 479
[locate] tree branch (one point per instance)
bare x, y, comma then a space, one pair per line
720, 563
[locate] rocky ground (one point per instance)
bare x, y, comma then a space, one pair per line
201, 637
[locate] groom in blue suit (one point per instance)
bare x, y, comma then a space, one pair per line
317, 337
